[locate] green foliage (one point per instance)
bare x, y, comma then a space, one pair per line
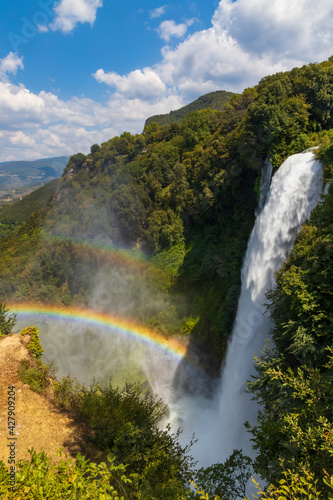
300, 485
197, 126
7, 323
167, 263
227, 480
325, 154
184, 195
214, 100
14, 214
125, 423
34, 345
41, 479
95, 148
297, 420
165, 229
37, 376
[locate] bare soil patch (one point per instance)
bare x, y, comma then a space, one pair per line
39, 424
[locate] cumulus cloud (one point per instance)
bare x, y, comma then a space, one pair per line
295, 29
10, 65
22, 139
40, 125
246, 41
158, 12
210, 60
145, 84
169, 28
71, 12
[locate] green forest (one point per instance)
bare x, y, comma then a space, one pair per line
172, 209
214, 100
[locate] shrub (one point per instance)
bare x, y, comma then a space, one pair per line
41, 479
7, 323
34, 345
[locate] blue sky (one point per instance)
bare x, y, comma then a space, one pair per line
75, 72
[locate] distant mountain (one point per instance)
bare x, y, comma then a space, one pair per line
214, 100
15, 174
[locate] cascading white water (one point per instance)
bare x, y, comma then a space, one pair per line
294, 192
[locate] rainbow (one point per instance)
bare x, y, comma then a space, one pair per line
112, 254
127, 328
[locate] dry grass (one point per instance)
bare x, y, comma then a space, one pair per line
39, 423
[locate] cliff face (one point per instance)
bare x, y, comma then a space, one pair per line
38, 423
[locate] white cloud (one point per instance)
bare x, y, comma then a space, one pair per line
71, 12
284, 29
158, 12
145, 84
41, 125
10, 65
130, 115
210, 60
169, 28
42, 28
21, 138
246, 41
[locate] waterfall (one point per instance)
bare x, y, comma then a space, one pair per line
266, 175
294, 192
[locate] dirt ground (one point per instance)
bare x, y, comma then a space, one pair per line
38, 423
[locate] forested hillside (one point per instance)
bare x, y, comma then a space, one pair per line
214, 100
180, 196
14, 214
167, 213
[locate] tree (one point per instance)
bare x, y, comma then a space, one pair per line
227, 480
95, 148
294, 382
125, 422
6, 322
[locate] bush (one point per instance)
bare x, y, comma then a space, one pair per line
7, 323
126, 423
34, 345
36, 377
41, 479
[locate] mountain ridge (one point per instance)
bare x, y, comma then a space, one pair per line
213, 100
15, 174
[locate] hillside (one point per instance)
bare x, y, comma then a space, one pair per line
214, 100
15, 175
45, 416
15, 213
39, 423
